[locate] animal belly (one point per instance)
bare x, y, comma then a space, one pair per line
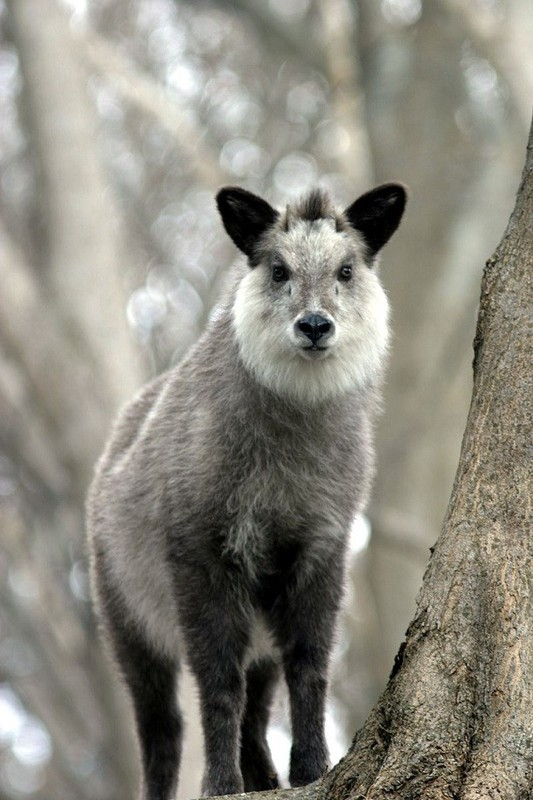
262, 644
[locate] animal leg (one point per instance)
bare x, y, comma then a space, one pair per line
152, 684
151, 679
256, 764
217, 636
304, 624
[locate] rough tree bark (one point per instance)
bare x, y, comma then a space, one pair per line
456, 717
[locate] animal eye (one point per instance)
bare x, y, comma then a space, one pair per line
280, 273
345, 272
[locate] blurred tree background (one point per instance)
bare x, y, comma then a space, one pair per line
119, 120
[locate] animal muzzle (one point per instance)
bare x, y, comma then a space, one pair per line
315, 327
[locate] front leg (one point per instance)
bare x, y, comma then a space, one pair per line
306, 675
222, 698
216, 621
305, 623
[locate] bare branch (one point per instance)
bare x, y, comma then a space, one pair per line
84, 250
57, 380
151, 98
294, 39
342, 69
24, 437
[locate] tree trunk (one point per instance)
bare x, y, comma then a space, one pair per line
456, 717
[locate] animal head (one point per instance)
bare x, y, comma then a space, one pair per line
311, 316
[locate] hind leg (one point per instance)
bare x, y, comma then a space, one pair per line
152, 684
151, 680
256, 763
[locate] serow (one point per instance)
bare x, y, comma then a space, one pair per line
219, 513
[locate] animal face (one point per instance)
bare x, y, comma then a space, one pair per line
311, 317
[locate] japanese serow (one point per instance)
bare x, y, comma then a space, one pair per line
220, 510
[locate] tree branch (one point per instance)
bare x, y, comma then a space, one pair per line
294, 40
342, 70
84, 250
151, 98
50, 363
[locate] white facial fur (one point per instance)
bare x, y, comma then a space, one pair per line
265, 313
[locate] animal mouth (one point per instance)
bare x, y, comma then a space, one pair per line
314, 352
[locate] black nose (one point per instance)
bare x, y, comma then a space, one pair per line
314, 326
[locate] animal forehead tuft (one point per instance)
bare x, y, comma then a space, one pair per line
315, 205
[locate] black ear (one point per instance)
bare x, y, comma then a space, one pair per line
245, 216
377, 214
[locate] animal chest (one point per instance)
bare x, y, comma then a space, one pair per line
279, 500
